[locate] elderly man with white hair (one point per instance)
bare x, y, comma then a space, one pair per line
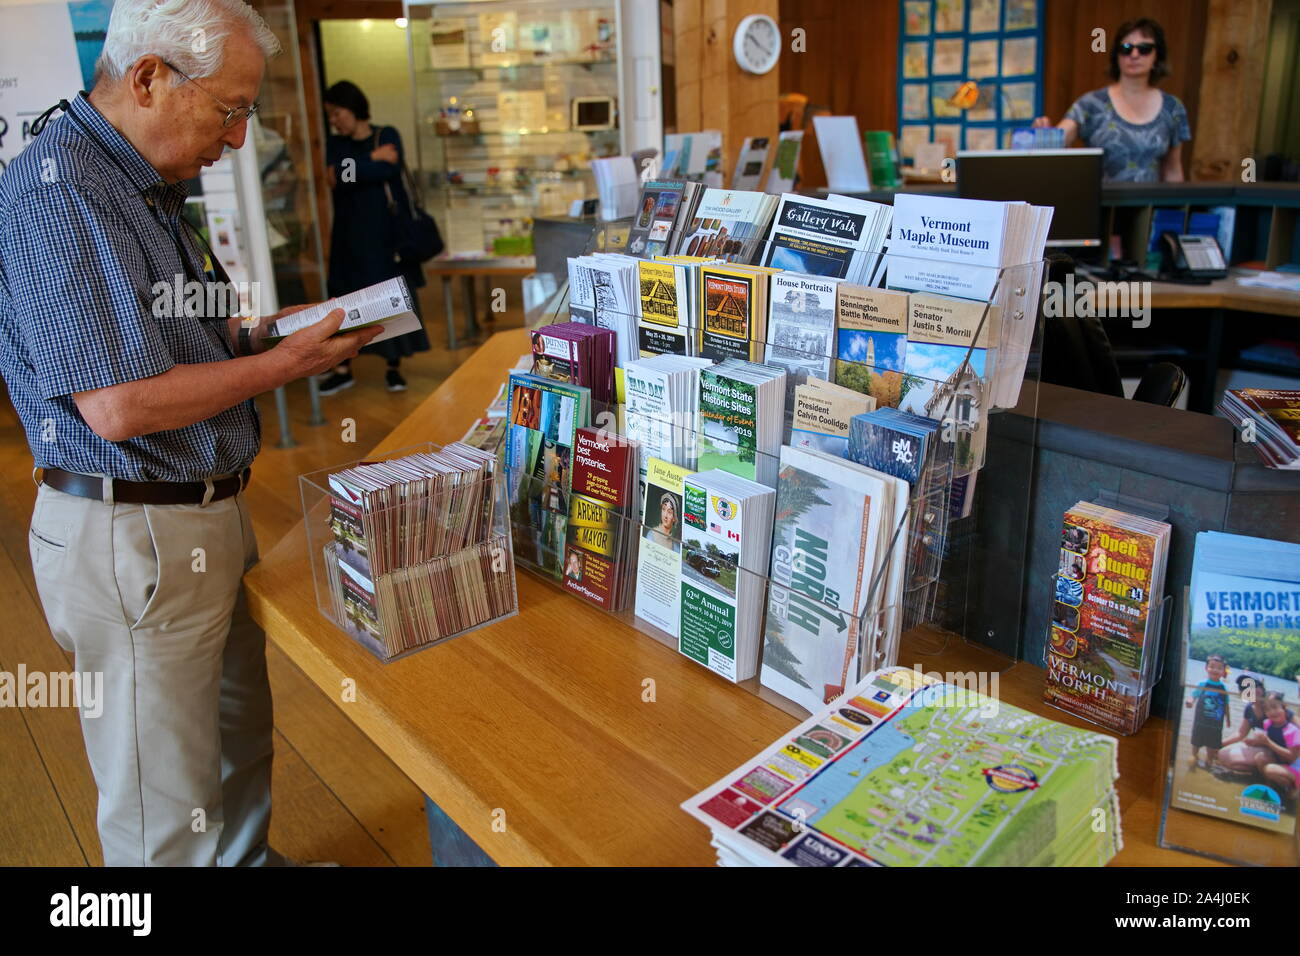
143, 422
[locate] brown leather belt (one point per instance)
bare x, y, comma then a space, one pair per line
146, 492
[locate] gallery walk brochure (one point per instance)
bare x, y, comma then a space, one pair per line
659, 568
1237, 736
904, 770
386, 303
726, 540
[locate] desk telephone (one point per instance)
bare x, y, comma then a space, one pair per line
1194, 258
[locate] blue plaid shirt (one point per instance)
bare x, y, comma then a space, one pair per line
80, 255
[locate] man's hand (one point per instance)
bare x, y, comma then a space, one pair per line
386, 153
317, 349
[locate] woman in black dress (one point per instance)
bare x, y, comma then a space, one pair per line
361, 159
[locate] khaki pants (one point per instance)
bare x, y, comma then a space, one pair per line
151, 596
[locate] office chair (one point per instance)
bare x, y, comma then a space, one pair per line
1077, 353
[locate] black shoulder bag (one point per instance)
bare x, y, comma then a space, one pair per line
415, 233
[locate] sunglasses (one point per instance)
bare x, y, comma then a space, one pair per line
234, 114
1142, 49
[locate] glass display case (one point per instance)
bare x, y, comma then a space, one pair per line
512, 100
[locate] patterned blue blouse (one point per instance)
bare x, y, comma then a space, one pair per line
1133, 150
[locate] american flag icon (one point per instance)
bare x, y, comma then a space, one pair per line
714, 526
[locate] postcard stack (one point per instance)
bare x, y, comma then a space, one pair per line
726, 540
905, 770
833, 571
1237, 751
414, 557
1270, 419
1104, 642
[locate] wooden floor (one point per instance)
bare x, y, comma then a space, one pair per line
336, 797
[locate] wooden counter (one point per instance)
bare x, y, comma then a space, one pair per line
533, 734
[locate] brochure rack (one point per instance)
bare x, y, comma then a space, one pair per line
965, 576
423, 595
1159, 610
1228, 795
862, 628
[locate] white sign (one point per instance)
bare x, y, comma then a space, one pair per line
38, 67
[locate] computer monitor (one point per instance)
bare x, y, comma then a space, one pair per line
1067, 179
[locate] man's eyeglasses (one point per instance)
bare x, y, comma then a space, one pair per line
234, 114
1143, 49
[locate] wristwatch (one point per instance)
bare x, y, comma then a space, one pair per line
246, 327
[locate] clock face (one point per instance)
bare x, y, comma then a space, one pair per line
757, 43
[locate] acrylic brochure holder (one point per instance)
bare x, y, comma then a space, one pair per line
981, 584
1227, 809
1159, 615
417, 594
680, 585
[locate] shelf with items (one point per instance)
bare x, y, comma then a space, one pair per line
495, 85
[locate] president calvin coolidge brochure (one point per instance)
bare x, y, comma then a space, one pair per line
387, 303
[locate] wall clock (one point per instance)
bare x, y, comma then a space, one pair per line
756, 43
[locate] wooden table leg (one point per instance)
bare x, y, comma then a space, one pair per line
450, 310
471, 306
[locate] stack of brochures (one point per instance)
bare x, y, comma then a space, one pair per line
577, 353
1237, 750
414, 558
1270, 419
742, 417
541, 430
604, 292
726, 539
836, 237
663, 406
1106, 615
905, 770
664, 211
600, 556
834, 569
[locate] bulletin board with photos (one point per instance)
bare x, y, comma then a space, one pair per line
969, 72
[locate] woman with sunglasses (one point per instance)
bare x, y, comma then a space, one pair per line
1140, 127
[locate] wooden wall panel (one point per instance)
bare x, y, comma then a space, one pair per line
1231, 87
712, 91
